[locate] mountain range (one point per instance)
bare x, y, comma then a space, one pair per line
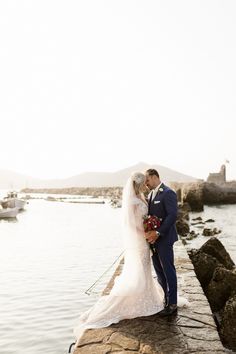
13, 180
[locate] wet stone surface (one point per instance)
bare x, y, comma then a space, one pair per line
192, 330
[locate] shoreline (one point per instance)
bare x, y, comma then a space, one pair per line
196, 194
112, 192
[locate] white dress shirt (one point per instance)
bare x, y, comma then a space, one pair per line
154, 192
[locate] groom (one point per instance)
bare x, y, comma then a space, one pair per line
163, 203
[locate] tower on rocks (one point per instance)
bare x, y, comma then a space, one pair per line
218, 178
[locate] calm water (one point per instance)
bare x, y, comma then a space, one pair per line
48, 258
50, 255
225, 220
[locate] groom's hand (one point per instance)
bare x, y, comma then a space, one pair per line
151, 236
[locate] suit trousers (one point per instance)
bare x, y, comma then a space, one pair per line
163, 262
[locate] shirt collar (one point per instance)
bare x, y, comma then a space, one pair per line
156, 189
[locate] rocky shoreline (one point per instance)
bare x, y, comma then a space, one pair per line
106, 192
199, 194
216, 272
196, 194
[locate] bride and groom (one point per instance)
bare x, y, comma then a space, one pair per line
135, 292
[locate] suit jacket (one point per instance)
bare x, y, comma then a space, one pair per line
165, 206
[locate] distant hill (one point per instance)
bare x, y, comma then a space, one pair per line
12, 180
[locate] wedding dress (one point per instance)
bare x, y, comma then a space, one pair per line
135, 292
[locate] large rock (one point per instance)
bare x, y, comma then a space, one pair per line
204, 266
220, 288
199, 193
192, 194
218, 194
228, 323
216, 249
210, 232
183, 211
182, 227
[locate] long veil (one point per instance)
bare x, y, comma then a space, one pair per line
132, 279
134, 293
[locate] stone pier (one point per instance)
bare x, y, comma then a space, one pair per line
192, 330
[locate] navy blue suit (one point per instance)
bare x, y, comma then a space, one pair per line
165, 206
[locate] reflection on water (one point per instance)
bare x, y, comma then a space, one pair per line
49, 255
9, 220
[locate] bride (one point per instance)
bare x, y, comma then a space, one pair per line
135, 292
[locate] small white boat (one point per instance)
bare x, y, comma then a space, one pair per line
8, 213
13, 201
116, 203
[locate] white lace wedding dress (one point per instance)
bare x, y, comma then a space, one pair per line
135, 293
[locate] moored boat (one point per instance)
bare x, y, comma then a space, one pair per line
13, 201
8, 213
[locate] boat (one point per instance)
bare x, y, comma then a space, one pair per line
116, 203
8, 212
13, 201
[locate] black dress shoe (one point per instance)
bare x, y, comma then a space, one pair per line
168, 310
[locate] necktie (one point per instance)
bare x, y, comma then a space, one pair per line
153, 194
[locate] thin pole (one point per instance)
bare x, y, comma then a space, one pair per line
88, 291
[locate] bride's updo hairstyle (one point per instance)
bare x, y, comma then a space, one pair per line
138, 179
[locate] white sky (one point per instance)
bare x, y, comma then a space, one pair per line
101, 85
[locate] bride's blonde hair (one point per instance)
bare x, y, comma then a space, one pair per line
138, 179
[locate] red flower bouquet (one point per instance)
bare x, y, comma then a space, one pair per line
151, 222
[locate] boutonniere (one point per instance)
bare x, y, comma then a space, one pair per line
160, 190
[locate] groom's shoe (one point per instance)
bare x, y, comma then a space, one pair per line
168, 310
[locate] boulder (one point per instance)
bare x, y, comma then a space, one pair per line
199, 218
210, 220
183, 211
182, 227
228, 323
216, 249
218, 194
220, 288
179, 194
192, 234
208, 232
204, 266
192, 194
199, 194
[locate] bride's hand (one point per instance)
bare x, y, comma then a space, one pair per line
151, 236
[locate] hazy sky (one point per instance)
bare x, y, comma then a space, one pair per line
100, 85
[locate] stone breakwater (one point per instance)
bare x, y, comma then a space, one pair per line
198, 194
192, 330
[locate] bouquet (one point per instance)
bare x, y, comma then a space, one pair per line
151, 223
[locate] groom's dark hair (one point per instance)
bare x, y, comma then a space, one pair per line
152, 172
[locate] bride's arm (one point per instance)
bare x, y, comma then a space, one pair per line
139, 213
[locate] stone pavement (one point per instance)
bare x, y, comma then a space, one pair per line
193, 330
